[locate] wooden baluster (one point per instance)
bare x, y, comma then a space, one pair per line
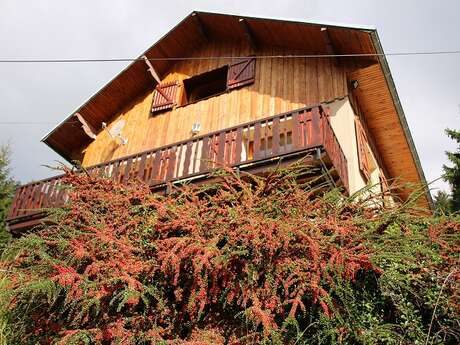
257, 135
42, 187
14, 204
156, 168
195, 156
54, 199
33, 198
22, 203
238, 145
276, 136
316, 128
204, 161
101, 172
30, 199
295, 131
171, 168
46, 199
141, 167
148, 167
19, 195
179, 154
285, 132
221, 150
115, 170
227, 149
61, 196
188, 154
129, 162
265, 148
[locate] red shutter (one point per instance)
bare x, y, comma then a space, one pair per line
164, 96
241, 72
384, 182
363, 155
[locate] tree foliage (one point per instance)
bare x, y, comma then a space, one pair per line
253, 260
7, 188
442, 203
452, 173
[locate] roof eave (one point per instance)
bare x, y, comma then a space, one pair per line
402, 117
296, 21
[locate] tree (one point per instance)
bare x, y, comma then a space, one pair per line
7, 188
452, 174
442, 203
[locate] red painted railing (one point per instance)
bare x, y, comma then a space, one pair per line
243, 145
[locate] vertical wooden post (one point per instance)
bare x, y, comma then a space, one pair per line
316, 128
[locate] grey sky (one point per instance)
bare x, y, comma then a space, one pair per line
45, 29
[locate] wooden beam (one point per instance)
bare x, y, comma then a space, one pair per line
87, 128
248, 33
151, 69
329, 45
201, 27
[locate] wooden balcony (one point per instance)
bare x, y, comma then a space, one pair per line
252, 146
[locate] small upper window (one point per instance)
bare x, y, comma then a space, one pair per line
234, 75
206, 85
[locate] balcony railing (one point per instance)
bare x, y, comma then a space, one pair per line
240, 146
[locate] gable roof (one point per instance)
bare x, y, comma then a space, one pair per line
198, 27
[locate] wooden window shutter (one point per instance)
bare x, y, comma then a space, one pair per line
363, 155
241, 72
164, 96
384, 182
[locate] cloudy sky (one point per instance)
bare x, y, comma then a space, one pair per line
40, 95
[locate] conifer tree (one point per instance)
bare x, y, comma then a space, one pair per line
442, 203
452, 174
7, 187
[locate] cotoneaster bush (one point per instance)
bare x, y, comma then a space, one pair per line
253, 260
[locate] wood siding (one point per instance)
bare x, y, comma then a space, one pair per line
280, 85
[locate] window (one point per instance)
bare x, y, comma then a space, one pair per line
206, 85
234, 75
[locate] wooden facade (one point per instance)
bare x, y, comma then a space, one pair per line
280, 85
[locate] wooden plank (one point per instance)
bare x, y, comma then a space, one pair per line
141, 170
25, 200
188, 154
51, 190
276, 135
295, 130
127, 173
171, 164
221, 149
238, 145
156, 167
195, 156
115, 170
257, 135
205, 154
316, 132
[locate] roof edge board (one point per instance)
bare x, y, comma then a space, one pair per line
400, 111
296, 21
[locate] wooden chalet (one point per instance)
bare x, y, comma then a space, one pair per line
243, 92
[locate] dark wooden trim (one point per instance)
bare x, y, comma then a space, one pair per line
248, 34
